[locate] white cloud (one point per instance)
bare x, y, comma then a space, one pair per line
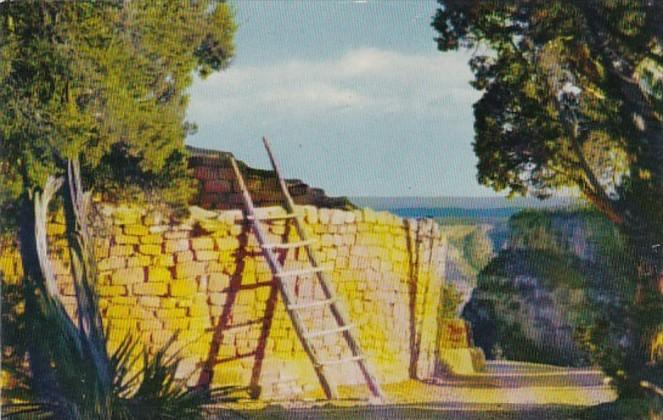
366, 80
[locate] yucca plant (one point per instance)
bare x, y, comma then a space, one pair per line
150, 391
73, 376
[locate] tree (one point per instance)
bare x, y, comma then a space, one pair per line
572, 99
103, 84
478, 248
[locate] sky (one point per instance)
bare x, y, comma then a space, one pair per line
353, 95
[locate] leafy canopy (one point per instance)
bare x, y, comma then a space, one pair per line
571, 98
104, 82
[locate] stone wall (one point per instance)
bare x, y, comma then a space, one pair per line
219, 188
206, 278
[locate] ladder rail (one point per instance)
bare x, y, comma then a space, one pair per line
275, 266
325, 283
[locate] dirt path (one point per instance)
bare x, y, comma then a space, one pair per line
507, 390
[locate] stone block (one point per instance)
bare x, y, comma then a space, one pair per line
176, 324
175, 245
186, 367
263, 293
176, 234
118, 311
201, 243
311, 215
206, 255
227, 243
158, 275
126, 216
152, 238
217, 282
108, 291
326, 240
121, 250
135, 230
337, 217
124, 300
184, 302
150, 325
159, 229
324, 216
189, 269
218, 299
163, 261
150, 249
369, 215
149, 301
183, 288
123, 324
126, 240
139, 261
199, 322
183, 256
198, 311
128, 276
150, 289
169, 303
170, 313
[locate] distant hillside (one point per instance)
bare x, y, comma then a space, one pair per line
388, 203
554, 290
456, 212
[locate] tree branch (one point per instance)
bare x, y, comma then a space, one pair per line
41, 202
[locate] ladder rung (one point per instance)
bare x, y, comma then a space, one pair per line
328, 332
273, 217
295, 273
312, 304
289, 245
341, 361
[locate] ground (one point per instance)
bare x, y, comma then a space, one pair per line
507, 390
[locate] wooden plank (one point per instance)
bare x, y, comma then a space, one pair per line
339, 315
289, 245
341, 361
304, 271
274, 217
311, 304
297, 322
322, 333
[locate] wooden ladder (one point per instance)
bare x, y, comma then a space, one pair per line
315, 270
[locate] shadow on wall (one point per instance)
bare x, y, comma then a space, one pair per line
227, 321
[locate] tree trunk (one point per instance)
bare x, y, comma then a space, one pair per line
42, 378
79, 238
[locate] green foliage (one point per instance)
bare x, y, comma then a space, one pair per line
451, 299
571, 100
148, 392
590, 286
14, 349
105, 82
560, 91
478, 249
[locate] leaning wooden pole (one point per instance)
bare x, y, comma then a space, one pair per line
325, 282
275, 266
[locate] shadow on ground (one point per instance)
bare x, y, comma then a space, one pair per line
507, 390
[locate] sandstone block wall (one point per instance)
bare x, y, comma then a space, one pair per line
206, 279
